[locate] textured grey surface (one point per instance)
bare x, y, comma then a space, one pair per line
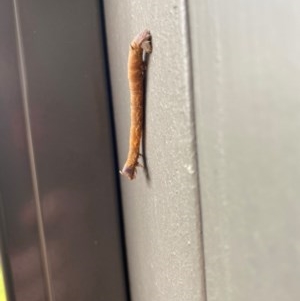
246, 67
161, 215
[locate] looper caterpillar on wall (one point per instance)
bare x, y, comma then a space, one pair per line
136, 71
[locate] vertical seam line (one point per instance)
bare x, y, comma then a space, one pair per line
193, 117
25, 102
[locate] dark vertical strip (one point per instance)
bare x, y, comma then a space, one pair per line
25, 99
114, 143
6, 269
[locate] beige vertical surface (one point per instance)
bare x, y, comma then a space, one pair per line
246, 62
162, 215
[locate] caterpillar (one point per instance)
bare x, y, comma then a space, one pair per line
139, 46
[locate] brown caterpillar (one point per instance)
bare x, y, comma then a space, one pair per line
136, 69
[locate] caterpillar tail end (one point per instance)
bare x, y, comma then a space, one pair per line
129, 172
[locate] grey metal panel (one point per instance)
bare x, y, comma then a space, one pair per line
72, 155
246, 71
22, 241
162, 215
